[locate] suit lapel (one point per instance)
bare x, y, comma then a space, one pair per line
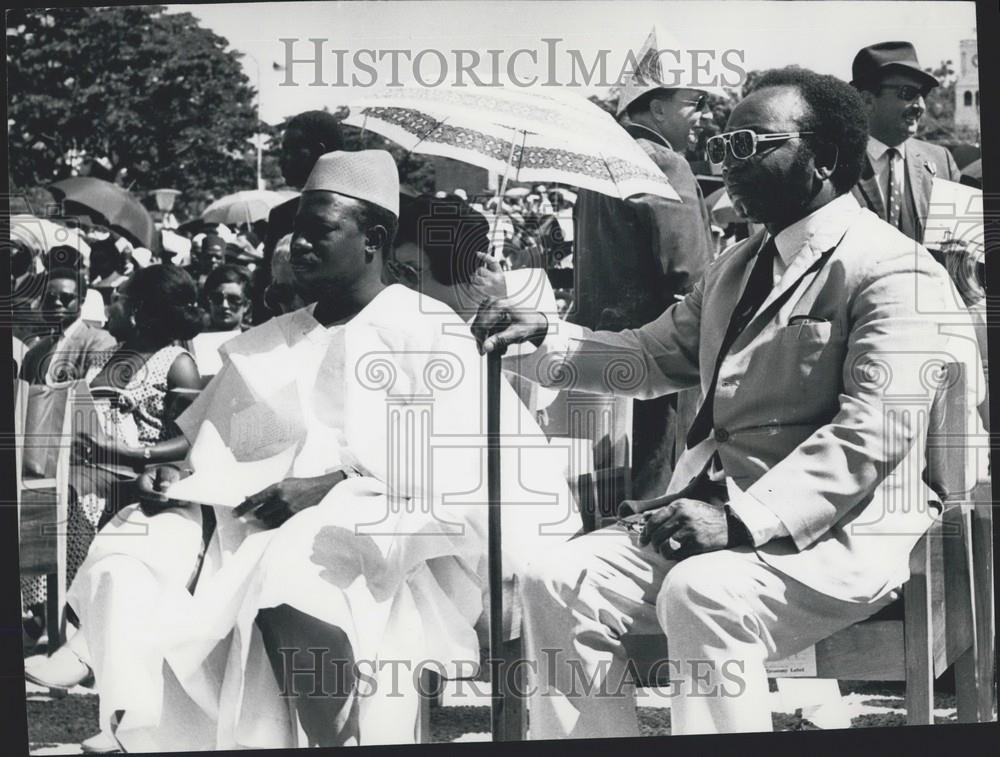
868, 192
921, 177
797, 270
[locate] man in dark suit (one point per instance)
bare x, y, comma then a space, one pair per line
899, 169
66, 354
307, 136
634, 258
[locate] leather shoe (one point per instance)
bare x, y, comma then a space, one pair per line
63, 670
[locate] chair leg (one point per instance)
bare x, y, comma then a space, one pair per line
959, 617
982, 561
429, 693
966, 694
918, 638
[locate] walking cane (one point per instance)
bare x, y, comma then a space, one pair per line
494, 541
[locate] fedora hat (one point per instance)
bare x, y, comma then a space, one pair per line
872, 62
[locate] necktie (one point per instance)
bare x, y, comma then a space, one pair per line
894, 190
759, 286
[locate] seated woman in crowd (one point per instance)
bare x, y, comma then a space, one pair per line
226, 291
226, 294
132, 387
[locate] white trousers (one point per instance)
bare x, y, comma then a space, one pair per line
724, 614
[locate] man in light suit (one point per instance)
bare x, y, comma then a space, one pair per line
782, 523
899, 169
75, 346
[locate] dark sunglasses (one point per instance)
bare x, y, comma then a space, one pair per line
743, 143
699, 104
63, 298
906, 91
233, 300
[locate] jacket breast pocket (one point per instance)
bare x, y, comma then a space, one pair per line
800, 366
811, 350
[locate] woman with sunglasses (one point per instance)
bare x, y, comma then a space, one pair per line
226, 297
132, 386
226, 292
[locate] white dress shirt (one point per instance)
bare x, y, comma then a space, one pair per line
820, 230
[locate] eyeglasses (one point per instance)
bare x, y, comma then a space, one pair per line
906, 91
63, 298
743, 143
233, 300
698, 104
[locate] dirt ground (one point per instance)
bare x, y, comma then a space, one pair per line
58, 725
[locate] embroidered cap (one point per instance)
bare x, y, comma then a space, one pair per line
368, 175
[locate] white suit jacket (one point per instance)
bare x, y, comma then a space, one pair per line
821, 405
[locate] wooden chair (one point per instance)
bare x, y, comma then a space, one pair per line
945, 616
43, 500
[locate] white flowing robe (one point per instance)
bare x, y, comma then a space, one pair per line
394, 556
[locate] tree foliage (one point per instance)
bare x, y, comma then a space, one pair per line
938, 123
148, 98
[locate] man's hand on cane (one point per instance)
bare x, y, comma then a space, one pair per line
498, 324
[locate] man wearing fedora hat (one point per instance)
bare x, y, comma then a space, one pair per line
634, 258
899, 168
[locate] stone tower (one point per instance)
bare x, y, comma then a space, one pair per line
967, 87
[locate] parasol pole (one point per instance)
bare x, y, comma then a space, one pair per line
494, 552
494, 536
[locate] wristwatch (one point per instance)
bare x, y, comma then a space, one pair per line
739, 534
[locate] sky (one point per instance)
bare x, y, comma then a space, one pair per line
821, 35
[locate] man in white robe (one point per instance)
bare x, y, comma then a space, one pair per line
367, 411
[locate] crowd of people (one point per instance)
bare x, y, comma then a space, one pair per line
308, 370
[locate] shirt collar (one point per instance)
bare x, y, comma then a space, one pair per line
877, 148
820, 230
655, 136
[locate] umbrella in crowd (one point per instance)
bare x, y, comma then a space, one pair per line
526, 136
516, 192
244, 208
106, 204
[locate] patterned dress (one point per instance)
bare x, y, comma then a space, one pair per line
137, 419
